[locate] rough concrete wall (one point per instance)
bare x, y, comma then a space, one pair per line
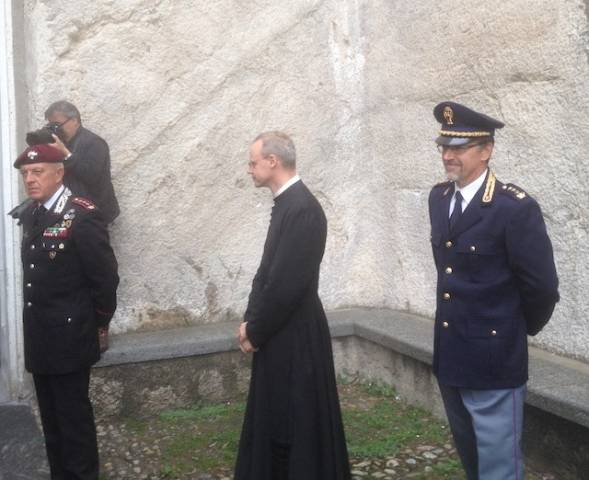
179, 88
524, 62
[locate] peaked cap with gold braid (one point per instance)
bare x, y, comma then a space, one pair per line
461, 125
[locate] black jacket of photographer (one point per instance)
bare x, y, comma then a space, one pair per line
87, 172
69, 285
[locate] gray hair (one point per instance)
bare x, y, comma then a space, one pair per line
66, 108
279, 144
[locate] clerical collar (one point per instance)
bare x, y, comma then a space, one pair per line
288, 184
49, 203
472, 188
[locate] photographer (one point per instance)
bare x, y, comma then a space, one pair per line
87, 158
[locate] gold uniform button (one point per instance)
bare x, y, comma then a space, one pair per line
29, 285
29, 304
448, 270
449, 244
473, 248
32, 265
445, 324
32, 247
446, 296
493, 332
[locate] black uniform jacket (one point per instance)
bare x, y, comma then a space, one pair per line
69, 285
496, 283
87, 172
293, 396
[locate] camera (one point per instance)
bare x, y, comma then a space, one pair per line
43, 135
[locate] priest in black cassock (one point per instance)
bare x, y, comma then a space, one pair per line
292, 428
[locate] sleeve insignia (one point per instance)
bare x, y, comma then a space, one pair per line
84, 202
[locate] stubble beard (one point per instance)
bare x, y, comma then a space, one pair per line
452, 176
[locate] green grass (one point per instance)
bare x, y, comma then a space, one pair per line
449, 469
385, 426
220, 412
205, 438
209, 444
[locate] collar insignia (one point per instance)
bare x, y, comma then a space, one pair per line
489, 188
59, 206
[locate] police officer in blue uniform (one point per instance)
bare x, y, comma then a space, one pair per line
497, 283
69, 292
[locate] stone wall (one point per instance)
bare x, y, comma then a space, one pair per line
179, 88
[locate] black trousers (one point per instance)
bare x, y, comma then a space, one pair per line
68, 425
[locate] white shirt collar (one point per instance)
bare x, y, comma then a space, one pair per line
288, 184
471, 189
49, 203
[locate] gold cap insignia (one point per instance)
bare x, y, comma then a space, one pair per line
449, 115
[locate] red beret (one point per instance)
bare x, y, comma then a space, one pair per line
42, 153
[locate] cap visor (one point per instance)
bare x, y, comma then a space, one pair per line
452, 141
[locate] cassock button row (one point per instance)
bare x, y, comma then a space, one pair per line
448, 270
448, 244
445, 324
493, 332
446, 296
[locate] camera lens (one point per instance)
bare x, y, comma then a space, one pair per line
53, 127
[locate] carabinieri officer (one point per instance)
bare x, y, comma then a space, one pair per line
497, 283
69, 292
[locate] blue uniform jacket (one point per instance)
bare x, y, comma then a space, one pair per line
497, 283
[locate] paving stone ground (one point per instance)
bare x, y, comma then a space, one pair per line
128, 457
140, 450
133, 449
22, 450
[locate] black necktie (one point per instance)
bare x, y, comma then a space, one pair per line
457, 212
38, 214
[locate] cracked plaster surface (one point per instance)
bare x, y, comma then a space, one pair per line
179, 88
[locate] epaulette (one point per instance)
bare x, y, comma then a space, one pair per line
84, 202
514, 191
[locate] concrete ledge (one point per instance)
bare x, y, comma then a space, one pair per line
557, 385
144, 373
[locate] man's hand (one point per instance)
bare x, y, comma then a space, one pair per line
103, 339
58, 145
244, 344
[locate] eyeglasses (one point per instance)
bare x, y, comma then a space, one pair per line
458, 148
55, 126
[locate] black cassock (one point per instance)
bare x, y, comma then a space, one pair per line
293, 397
